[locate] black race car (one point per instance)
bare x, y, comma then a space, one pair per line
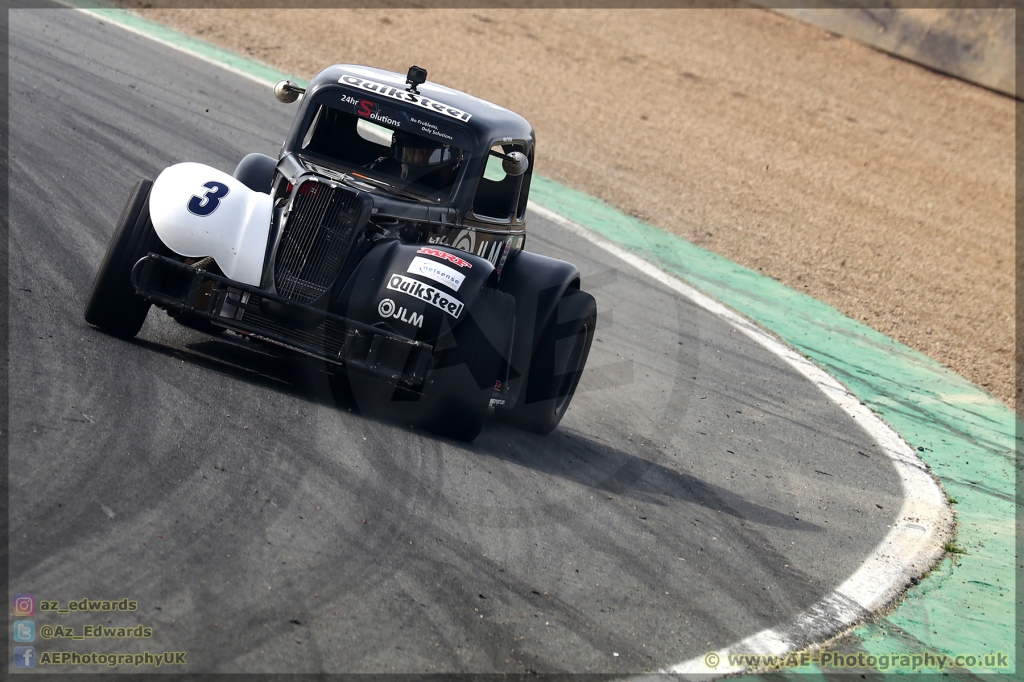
386, 240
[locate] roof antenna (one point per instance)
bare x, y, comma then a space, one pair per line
417, 76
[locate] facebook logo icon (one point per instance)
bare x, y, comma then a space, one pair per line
24, 657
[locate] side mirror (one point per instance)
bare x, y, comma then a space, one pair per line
287, 91
515, 163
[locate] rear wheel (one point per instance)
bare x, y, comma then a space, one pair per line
556, 365
113, 305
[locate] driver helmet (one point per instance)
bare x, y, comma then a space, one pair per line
420, 156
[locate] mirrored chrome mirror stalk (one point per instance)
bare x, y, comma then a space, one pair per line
287, 91
515, 163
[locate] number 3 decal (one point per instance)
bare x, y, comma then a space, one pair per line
208, 203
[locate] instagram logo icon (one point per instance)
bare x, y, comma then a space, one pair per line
24, 605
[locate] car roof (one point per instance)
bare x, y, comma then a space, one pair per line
485, 119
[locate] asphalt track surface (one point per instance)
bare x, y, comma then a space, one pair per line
698, 491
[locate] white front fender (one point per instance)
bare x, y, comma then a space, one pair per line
200, 211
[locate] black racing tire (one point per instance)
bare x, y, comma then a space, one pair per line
556, 365
459, 387
256, 171
113, 304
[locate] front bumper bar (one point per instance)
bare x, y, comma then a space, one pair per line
226, 303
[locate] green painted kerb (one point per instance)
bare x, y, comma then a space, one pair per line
966, 605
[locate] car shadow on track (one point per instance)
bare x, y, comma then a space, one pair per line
564, 454
263, 366
585, 461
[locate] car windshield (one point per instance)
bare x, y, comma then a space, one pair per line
387, 146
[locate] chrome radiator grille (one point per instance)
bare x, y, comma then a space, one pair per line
317, 237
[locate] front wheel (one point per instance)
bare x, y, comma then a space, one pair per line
113, 304
556, 365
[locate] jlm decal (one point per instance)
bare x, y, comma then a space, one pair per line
388, 308
425, 292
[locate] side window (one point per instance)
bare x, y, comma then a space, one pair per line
497, 196
493, 171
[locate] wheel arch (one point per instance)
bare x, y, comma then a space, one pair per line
232, 223
256, 171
